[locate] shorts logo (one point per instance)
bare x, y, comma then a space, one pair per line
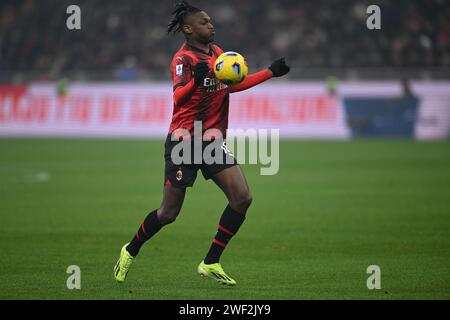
179, 69
179, 175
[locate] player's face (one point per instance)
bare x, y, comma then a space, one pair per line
201, 27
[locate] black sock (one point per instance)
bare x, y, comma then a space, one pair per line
229, 224
148, 229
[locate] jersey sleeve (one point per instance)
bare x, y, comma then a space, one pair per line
252, 80
181, 70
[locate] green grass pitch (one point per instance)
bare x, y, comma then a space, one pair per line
333, 209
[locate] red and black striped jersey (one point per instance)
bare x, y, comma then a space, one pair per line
209, 101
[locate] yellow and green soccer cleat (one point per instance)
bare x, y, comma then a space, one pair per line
215, 271
123, 264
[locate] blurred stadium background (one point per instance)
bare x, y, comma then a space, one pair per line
124, 51
381, 197
318, 38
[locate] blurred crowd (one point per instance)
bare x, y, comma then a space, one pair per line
128, 39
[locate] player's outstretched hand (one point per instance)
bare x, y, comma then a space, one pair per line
279, 67
200, 71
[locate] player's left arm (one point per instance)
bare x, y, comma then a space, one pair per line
277, 69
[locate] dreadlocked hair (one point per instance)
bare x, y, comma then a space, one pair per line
182, 10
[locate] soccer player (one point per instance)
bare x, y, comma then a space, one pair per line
197, 98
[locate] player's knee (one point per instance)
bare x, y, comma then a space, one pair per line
167, 219
168, 215
247, 200
243, 201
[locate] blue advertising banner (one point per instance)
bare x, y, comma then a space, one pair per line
392, 117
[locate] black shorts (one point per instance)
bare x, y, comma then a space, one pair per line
183, 175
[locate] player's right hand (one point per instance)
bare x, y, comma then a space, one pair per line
200, 71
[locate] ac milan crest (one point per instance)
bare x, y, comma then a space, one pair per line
179, 175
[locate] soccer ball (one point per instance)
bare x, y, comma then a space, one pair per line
230, 68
